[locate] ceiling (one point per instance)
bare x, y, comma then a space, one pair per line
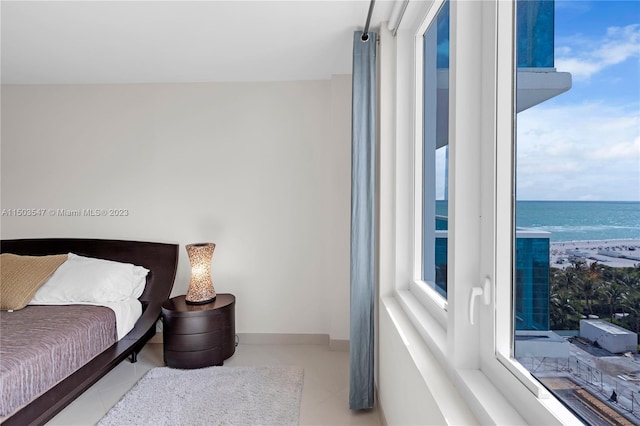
71, 42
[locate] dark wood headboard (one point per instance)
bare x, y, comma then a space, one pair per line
160, 258
162, 261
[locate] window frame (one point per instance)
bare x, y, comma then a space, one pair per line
421, 290
487, 217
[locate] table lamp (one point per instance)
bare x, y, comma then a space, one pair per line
201, 289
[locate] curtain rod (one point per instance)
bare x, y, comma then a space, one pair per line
397, 13
365, 35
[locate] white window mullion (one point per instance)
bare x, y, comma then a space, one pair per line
464, 180
504, 177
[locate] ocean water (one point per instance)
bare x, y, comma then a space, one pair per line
577, 220
581, 220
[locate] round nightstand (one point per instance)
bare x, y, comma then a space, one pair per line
198, 336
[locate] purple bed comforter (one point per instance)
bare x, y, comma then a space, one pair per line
41, 345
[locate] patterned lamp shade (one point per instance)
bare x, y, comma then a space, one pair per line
201, 289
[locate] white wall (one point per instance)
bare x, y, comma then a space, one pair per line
261, 169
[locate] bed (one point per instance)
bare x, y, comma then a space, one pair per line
159, 258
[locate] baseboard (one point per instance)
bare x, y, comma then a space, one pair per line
339, 345
282, 339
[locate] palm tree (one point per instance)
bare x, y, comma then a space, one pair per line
590, 289
562, 312
628, 277
632, 304
614, 293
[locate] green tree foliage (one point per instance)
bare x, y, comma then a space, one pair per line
581, 290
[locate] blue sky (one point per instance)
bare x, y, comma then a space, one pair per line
585, 143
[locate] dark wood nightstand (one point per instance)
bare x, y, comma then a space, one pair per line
198, 336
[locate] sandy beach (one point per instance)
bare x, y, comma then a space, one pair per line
614, 253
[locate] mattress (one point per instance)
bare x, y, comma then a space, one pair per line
127, 313
41, 345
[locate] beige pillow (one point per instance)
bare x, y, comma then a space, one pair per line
21, 276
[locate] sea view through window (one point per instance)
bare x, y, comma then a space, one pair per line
577, 212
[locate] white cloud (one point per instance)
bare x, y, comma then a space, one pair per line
621, 150
584, 58
585, 151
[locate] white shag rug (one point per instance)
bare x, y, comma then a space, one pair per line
211, 396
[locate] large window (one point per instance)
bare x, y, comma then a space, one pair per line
577, 304
454, 216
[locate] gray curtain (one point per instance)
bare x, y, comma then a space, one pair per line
363, 163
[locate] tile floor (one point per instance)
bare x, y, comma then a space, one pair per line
325, 393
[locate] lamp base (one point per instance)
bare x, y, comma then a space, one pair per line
200, 302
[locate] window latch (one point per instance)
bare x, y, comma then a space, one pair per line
483, 291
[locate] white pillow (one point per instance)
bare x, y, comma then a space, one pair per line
86, 279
